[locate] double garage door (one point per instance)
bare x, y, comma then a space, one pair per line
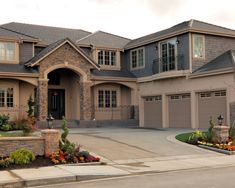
210, 104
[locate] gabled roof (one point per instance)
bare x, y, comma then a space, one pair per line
184, 27
54, 46
103, 39
222, 62
46, 34
8, 34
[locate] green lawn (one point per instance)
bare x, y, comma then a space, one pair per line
11, 134
183, 137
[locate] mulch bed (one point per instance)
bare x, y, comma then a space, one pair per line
40, 161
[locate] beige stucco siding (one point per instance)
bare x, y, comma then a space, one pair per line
25, 90
193, 86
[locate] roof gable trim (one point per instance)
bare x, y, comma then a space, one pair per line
63, 43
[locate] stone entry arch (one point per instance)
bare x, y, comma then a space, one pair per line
68, 57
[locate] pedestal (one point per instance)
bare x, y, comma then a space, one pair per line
220, 134
52, 137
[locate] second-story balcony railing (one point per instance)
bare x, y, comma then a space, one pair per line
168, 63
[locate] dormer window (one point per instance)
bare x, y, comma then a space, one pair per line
7, 51
107, 57
198, 46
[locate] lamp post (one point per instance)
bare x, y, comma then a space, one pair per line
220, 120
50, 121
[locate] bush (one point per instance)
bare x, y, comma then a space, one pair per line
196, 136
5, 162
65, 144
4, 119
22, 156
6, 127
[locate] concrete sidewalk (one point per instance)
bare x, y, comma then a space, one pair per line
72, 173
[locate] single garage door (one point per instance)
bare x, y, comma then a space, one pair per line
179, 108
153, 112
211, 104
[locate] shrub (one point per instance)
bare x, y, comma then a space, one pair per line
22, 156
65, 144
4, 119
30, 106
196, 136
6, 127
5, 162
209, 131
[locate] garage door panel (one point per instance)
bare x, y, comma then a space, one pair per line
153, 114
211, 106
179, 112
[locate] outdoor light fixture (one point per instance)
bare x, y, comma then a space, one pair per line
50, 121
177, 41
220, 120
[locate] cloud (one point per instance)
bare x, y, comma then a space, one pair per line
165, 7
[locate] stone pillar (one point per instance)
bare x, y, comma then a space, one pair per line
85, 101
51, 137
220, 134
42, 99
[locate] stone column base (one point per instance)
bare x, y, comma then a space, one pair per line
220, 134
52, 138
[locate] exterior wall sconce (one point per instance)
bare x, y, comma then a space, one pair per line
177, 41
156, 47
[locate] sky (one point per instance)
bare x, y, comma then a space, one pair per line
127, 18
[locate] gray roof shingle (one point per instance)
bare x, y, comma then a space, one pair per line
103, 39
7, 33
113, 73
224, 61
16, 68
46, 34
191, 25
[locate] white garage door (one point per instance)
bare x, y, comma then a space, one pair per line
179, 111
153, 112
211, 104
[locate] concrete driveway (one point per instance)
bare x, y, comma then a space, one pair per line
123, 144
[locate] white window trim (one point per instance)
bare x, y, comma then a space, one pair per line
16, 53
203, 53
137, 67
109, 67
160, 51
5, 96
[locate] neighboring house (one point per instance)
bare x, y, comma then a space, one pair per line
178, 77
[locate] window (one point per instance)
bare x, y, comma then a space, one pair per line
6, 97
107, 98
168, 55
137, 58
7, 51
198, 46
106, 57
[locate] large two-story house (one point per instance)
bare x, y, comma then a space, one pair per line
178, 77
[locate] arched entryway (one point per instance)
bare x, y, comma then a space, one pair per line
114, 101
64, 94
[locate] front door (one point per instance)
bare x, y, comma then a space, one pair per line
56, 103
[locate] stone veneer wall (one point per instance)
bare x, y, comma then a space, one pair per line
47, 143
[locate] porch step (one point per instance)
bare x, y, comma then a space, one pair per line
58, 123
